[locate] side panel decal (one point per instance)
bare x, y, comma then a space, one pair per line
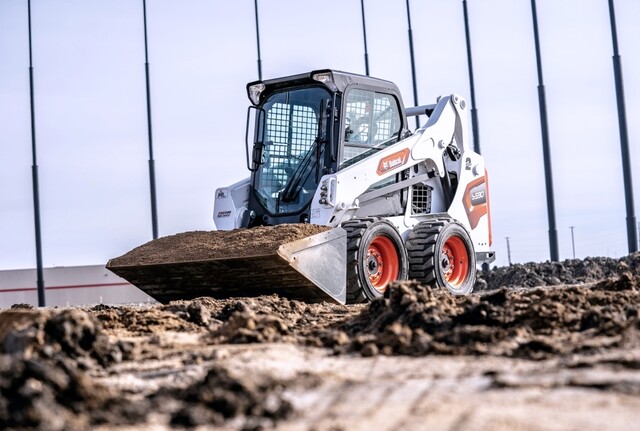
476, 200
393, 161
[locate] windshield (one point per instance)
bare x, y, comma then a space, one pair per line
288, 176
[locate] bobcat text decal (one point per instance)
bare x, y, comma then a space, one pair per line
393, 161
476, 202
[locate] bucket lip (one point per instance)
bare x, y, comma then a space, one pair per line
287, 249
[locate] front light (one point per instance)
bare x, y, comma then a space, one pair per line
324, 77
254, 92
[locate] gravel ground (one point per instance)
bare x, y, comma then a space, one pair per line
513, 356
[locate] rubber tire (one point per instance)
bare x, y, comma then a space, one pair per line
360, 234
425, 247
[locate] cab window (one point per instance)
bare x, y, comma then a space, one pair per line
371, 122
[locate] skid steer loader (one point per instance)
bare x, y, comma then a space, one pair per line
334, 149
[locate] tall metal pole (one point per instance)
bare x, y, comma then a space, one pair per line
34, 176
573, 243
474, 111
152, 170
258, 40
364, 32
551, 210
632, 237
413, 65
508, 251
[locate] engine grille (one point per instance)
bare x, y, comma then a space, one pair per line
421, 199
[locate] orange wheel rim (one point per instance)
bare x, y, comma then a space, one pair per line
454, 261
382, 263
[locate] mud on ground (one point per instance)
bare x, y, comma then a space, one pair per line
561, 357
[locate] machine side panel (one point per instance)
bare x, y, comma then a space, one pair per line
230, 204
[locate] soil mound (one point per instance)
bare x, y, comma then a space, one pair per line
200, 246
45, 395
272, 318
187, 316
68, 335
53, 395
575, 271
47, 358
531, 323
43, 358
219, 397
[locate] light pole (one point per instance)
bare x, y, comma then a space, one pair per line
573, 243
632, 237
258, 40
152, 170
34, 176
474, 111
508, 251
546, 152
413, 65
364, 34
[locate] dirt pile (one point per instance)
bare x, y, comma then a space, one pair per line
219, 397
47, 359
266, 318
200, 246
176, 356
46, 394
418, 320
181, 316
71, 335
575, 271
274, 319
535, 323
43, 359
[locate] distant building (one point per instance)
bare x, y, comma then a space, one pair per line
64, 286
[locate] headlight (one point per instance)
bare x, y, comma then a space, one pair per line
324, 77
254, 92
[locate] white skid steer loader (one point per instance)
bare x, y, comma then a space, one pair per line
334, 148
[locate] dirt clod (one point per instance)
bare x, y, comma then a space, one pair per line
219, 396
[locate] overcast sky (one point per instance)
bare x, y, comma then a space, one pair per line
91, 125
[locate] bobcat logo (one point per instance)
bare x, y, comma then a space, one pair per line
393, 161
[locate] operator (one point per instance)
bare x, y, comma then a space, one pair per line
362, 129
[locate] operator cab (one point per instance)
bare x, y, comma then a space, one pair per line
309, 125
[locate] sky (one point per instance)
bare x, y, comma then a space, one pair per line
91, 126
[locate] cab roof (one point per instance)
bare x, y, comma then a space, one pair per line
339, 82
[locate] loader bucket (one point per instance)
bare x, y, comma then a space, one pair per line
311, 269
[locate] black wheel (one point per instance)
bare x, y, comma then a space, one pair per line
441, 253
376, 256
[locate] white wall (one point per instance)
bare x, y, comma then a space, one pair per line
64, 286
